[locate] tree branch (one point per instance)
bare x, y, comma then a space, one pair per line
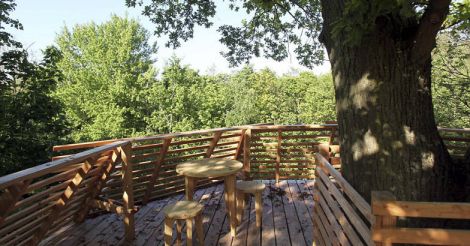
429, 25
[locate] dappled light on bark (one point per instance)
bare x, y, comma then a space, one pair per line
366, 146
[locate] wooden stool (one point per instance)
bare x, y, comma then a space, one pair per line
252, 187
183, 210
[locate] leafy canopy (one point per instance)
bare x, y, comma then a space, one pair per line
106, 69
451, 75
274, 28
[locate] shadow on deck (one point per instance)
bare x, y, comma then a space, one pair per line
287, 220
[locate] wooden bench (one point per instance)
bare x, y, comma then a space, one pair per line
183, 210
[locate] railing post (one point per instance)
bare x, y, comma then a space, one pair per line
381, 221
278, 154
128, 192
246, 154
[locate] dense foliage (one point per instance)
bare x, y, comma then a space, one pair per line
184, 100
31, 119
451, 74
106, 68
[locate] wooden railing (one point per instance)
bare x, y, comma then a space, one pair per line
342, 216
386, 210
155, 157
457, 140
36, 202
287, 151
97, 175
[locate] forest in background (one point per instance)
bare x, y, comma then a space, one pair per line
98, 82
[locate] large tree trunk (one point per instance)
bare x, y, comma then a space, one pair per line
389, 139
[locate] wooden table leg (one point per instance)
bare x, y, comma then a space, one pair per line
190, 184
240, 206
230, 189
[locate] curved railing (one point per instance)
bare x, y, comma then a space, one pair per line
112, 175
36, 202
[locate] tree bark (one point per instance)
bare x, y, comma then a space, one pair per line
388, 135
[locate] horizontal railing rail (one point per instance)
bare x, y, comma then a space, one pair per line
93, 144
387, 209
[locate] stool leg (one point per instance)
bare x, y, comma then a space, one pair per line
189, 232
168, 231
226, 197
199, 230
179, 227
258, 208
240, 206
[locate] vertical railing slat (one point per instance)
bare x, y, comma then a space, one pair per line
128, 191
278, 155
246, 154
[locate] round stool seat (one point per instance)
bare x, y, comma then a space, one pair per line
182, 210
250, 186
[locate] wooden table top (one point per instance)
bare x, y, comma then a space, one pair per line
209, 168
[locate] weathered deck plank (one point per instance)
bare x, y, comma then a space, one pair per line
293, 224
280, 221
268, 236
304, 216
287, 220
254, 233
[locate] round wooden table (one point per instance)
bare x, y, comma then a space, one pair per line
213, 168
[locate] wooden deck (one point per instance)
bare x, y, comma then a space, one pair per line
287, 220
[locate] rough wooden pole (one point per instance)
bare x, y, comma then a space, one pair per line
246, 154
382, 221
128, 192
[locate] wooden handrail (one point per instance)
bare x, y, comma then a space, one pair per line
62, 191
423, 236
386, 208
93, 144
52, 166
261, 126
458, 130
422, 209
